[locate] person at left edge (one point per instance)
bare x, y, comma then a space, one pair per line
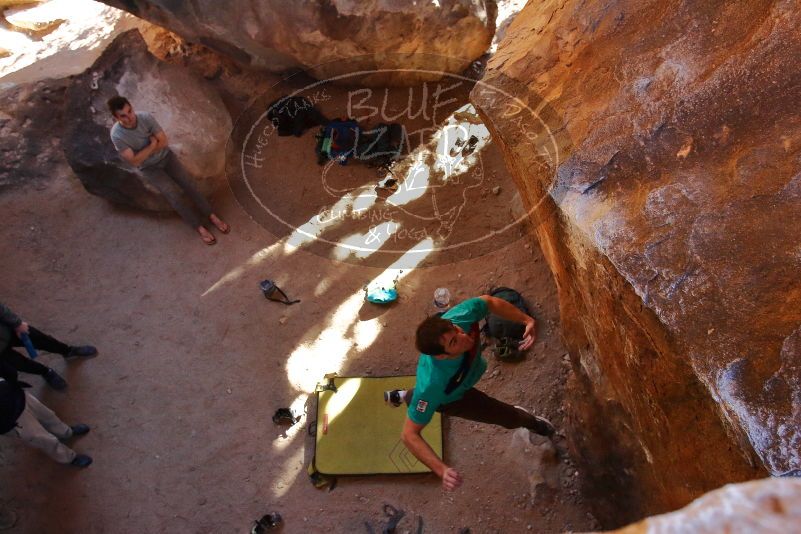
12, 327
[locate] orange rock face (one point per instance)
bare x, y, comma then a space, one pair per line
658, 147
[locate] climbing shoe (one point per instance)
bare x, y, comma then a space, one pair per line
541, 426
267, 522
83, 350
81, 460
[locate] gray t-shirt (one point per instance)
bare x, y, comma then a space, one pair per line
138, 138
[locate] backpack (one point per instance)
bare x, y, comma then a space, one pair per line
507, 334
337, 140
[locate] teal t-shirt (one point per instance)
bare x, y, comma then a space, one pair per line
433, 375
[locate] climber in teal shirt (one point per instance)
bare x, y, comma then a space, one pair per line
450, 364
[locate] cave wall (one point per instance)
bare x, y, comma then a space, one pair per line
657, 146
333, 37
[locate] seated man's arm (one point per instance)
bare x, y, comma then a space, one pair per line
161, 138
451, 479
508, 311
137, 158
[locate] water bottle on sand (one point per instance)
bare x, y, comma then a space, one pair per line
442, 299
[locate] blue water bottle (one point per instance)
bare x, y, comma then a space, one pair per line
28, 344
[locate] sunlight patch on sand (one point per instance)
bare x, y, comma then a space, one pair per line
236, 273
403, 266
69, 49
452, 151
313, 359
362, 245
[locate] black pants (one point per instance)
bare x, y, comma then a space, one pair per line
41, 341
478, 406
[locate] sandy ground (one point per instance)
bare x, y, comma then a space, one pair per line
181, 396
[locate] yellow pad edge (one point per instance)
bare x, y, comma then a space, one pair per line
359, 434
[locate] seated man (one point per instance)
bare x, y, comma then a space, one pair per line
11, 330
142, 142
448, 368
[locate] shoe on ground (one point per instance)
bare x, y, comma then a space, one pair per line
394, 397
81, 460
55, 380
267, 522
542, 426
80, 429
83, 350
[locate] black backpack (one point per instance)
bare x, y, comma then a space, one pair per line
292, 115
507, 334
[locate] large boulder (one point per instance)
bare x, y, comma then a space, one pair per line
277, 35
31, 116
658, 145
192, 114
768, 505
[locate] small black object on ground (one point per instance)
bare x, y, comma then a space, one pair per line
394, 517
272, 292
267, 522
284, 416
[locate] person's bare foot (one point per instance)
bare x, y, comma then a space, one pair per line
206, 236
219, 223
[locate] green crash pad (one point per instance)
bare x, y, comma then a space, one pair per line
359, 434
